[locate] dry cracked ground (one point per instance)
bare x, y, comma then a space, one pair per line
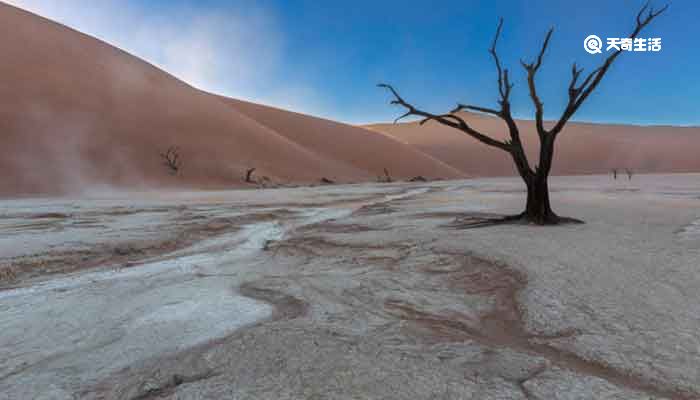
381, 291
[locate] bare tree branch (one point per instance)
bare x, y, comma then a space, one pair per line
575, 73
450, 120
249, 175
512, 146
452, 117
532, 69
538, 208
577, 95
504, 88
485, 110
504, 85
171, 159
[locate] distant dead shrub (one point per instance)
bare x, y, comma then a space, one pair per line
7, 274
171, 159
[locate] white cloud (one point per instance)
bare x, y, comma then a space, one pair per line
233, 52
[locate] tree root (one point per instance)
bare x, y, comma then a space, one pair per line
484, 220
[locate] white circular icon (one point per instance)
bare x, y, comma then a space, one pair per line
592, 44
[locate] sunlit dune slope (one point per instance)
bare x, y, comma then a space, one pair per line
78, 114
358, 147
582, 148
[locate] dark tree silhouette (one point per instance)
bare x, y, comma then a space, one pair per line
171, 159
249, 175
538, 209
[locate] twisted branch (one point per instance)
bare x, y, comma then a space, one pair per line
449, 119
532, 69
578, 94
171, 159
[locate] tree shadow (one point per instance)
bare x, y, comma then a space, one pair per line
481, 220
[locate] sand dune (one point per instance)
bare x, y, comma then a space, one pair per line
582, 148
360, 148
78, 113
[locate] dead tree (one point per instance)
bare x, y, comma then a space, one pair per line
538, 209
387, 176
614, 173
629, 173
171, 159
249, 175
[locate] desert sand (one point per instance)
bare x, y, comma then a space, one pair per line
354, 291
79, 114
122, 280
582, 148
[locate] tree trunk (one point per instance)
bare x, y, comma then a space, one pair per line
538, 209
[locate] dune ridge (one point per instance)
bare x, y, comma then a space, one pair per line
582, 148
78, 113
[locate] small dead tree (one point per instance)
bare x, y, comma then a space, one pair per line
387, 176
538, 209
249, 175
614, 173
629, 173
171, 159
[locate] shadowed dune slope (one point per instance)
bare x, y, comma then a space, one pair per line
582, 148
78, 114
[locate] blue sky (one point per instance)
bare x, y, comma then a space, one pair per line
325, 58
